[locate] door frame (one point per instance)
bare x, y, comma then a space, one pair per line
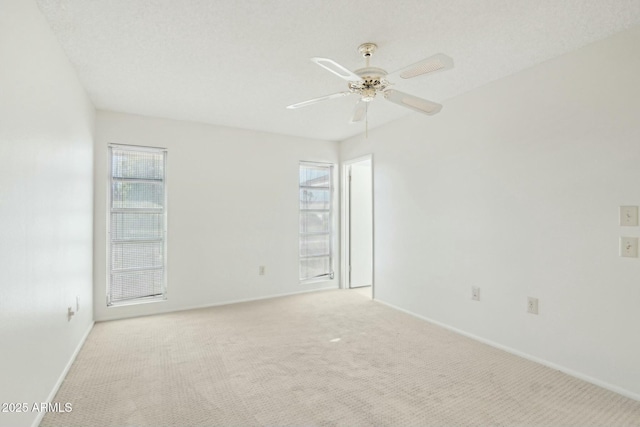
345, 231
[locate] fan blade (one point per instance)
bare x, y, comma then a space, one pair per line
315, 100
359, 112
431, 65
418, 104
337, 69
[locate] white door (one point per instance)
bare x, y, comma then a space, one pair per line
360, 224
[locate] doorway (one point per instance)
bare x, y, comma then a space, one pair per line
358, 224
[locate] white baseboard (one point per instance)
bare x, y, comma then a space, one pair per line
552, 365
216, 304
238, 301
63, 375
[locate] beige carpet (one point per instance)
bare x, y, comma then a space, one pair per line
327, 359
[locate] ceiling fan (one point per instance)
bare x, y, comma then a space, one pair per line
368, 82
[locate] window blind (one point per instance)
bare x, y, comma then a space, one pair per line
137, 224
316, 212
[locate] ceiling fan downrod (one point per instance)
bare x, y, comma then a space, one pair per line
367, 50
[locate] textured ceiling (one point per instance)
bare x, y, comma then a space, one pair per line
239, 63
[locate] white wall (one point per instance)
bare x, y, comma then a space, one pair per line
46, 207
233, 206
515, 188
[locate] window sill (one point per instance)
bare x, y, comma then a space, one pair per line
137, 301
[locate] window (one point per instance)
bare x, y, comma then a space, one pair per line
137, 224
316, 217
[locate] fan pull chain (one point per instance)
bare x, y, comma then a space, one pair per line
366, 119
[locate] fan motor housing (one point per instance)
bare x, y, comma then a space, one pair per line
370, 72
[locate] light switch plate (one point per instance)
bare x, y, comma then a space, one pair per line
629, 247
629, 216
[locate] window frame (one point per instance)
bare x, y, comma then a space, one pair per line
332, 229
109, 211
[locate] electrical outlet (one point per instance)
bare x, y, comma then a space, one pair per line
629, 247
475, 293
532, 305
261, 270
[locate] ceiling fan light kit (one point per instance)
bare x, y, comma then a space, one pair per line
368, 82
